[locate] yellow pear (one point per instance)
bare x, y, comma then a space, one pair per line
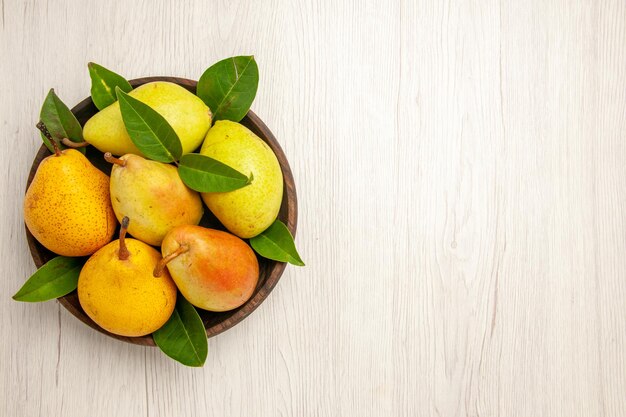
67, 206
117, 289
248, 211
153, 195
187, 114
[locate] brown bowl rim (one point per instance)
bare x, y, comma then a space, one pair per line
288, 214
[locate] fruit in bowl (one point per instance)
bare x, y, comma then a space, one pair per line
214, 270
65, 183
152, 194
184, 111
154, 189
248, 211
117, 289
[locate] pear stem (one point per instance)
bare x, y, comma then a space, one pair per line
41, 126
74, 145
113, 160
123, 253
158, 270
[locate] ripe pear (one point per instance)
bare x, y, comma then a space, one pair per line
248, 211
117, 290
214, 270
67, 206
153, 195
187, 114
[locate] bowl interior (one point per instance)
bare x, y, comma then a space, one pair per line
270, 271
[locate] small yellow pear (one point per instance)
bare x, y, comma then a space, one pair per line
67, 206
153, 195
185, 112
117, 289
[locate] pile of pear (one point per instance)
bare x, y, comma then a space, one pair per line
128, 286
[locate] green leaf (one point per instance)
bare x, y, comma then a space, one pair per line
229, 87
277, 243
56, 278
207, 175
103, 83
60, 121
148, 130
183, 338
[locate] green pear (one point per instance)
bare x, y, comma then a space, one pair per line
187, 114
153, 195
248, 211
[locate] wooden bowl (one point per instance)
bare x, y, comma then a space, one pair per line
269, 271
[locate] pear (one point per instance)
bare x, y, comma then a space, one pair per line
67, 206
187, 114
117, 289
153, 195
248, 211
214, 270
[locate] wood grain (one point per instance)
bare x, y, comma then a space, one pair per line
461, 172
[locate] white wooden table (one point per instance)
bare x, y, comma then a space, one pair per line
461, 171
